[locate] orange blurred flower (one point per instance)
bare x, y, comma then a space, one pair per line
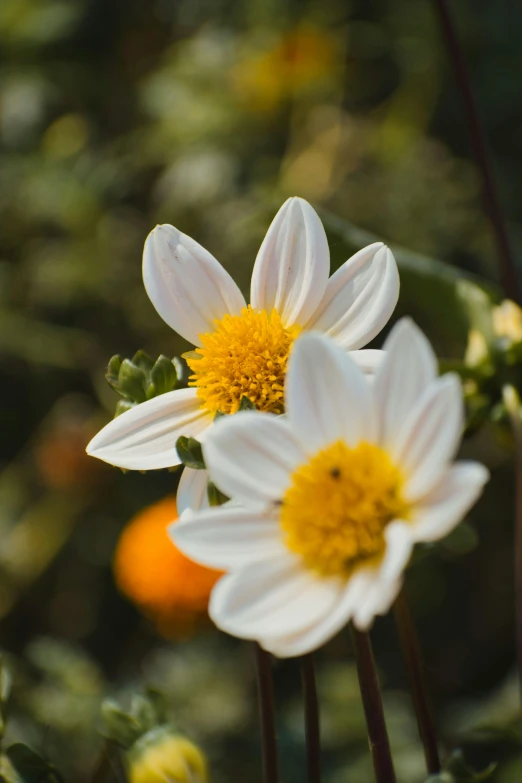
302, 58
168, 587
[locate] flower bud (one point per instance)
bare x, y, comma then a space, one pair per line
507, 321
162, 756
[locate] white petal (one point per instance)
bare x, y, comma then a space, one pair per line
430, 436
144, 438
288, 645
192, 490
226, 537
378, 601
388, 575
293, 263
408, 368
359, 298
399, 545
185, 283
445, 506
272, 596
327, 396
251, 456
369, 360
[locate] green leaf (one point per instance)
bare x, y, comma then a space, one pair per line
462, 540
463, 773
5, 683
246, 404
215, 496
8, 773
163, 377
189, 452
31, 767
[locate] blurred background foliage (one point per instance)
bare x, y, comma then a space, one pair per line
207, 114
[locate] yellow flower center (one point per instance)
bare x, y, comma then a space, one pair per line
338, 505
245, 356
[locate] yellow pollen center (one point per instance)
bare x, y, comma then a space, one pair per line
245, 356
338, 505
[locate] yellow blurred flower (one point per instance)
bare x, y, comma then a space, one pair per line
507, 321
301, 58
161, 756
477, 349
168, 587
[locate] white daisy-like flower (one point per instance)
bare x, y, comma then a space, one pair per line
242, 351
333, 495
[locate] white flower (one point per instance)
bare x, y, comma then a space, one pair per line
334, 495
243, 351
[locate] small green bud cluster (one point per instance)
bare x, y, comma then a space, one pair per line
140, 378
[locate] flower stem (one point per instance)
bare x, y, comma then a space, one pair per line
512, 403
419, 691
373, 709
313, 742
492, 206
266, 714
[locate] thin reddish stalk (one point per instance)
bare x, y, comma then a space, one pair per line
418, 687
505, 257
373, 709
266, 714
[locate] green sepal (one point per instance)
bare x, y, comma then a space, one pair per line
163, 377
144, 712
143, 361
190, 453
131, 381
30, 766
246, 404
122, 406
219, 415
119, 726
215, 496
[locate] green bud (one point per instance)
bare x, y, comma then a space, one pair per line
140, 378
163, 377
143, 361
131, 380
190, 453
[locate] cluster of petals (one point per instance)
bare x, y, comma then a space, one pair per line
269, 594
191, 291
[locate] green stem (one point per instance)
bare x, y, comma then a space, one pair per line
373, 709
